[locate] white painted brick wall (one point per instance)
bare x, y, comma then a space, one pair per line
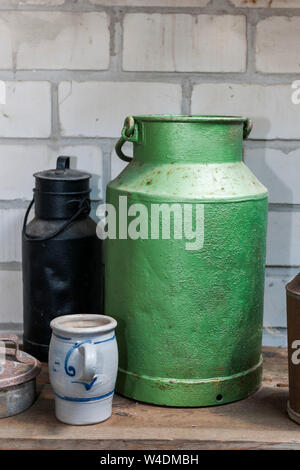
31, 2
90, 159
184, 43
34, 2
124, 59
27, 112
152, 3
99, 108
11, 295
270, 107
11, 222
266, 3
118, 165
277, 45
283, 238
6, 46
65, 40
278, 171
275, 296
18, 163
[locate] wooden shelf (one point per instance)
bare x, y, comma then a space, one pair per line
260, 421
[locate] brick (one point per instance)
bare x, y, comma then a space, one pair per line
54, 40
27, 112
31, 2
275, 36
278, 171
184, 43
88, 158
34, 2
275, 296
11, 222
98, 109
266, 3
19, 162
116, 164
270, 106
6, 46
11, 289
283, 238
152, 3
77, 41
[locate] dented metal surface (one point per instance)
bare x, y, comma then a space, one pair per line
18, 371
190, 322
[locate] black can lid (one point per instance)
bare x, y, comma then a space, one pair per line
62, 171
62, 178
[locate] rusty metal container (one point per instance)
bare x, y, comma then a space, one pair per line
189, 319
18, 372
293, 324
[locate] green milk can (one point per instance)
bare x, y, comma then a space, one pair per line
185, 233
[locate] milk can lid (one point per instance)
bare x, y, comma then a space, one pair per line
62, 172
16, 366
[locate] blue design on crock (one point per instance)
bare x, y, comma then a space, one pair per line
61, 337
87, 386
70, 370
79, 399
105, 340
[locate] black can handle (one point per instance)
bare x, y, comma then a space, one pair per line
84, 207
62, 162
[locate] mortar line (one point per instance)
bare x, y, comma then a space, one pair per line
186, 99
286, 145
56, 76
219, 7
54, 111
11, 266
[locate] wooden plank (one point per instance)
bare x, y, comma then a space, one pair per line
259, 421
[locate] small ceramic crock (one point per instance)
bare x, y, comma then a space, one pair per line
83, 364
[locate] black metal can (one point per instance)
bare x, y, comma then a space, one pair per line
63, 271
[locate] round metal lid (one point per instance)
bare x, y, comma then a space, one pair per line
62, 172
16, 367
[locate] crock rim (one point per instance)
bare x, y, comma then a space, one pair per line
57, 324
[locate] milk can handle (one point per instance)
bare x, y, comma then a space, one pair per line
248, 124
84, 207
129, 134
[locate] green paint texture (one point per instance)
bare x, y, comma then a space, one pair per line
189, 322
